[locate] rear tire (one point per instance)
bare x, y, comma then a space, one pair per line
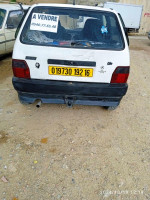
110, 107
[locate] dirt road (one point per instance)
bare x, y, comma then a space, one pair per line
83, 153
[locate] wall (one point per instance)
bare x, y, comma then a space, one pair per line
90, 2
42, 1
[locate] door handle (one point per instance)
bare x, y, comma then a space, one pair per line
2, 34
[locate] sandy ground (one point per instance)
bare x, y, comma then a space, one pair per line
82, 153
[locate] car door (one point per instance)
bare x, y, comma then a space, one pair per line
2, 42
12, 23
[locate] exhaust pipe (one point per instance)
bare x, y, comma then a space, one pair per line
38, 105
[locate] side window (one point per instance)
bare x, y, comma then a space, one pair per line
113, 22
114, 29
2, 17
14, 18
21, 21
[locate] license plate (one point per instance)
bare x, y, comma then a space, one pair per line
70, 71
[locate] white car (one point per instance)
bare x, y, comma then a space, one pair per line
58, 60
149, 35
10, 16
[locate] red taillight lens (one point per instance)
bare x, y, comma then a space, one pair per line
120, 75
20, 69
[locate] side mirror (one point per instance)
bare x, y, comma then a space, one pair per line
10, 26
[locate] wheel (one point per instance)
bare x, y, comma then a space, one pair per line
110, 107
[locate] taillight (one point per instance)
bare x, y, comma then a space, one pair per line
20, 69
120, 75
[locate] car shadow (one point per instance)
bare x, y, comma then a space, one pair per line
3, 57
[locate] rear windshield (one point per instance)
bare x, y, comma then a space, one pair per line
2, 16
75, 28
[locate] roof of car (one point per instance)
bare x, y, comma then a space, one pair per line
75, 6
12, 6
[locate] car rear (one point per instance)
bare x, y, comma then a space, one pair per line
149, 35
71, 54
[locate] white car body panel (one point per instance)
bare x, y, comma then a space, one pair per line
118, 58
10, 38
7, 36
2, 42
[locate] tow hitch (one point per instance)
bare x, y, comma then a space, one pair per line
69, 101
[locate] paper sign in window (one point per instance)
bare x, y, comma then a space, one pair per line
44, 22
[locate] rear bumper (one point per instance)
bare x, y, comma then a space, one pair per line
63, 92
